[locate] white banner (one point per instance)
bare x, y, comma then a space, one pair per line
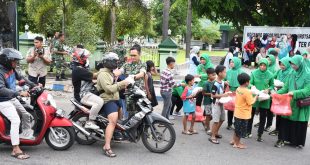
303, 34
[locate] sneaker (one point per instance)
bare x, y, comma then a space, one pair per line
267, 129
171, 118
27, 134
259, 139
174, 114
91, 125
229, 127
247, 136
279, 144
58, 79
256, 125
179, 114
209, 132
274, 133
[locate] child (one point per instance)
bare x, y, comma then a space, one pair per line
232, 74
166, 84
207, 101
150, 68
188, 105
218, 113
262, 79
177, 101
243, 109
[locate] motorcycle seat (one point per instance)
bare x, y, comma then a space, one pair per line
79, 103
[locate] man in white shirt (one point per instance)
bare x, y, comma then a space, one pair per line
38, 59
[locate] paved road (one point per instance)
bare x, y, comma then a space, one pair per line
195, 149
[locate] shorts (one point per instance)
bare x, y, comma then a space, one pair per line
207, 110
218, 112
110, 107
189, 113
240, 127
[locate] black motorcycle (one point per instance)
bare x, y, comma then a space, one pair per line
157, 132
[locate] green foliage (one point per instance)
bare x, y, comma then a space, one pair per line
211, 34
255, 12
83, 30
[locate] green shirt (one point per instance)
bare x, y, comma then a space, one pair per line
232, 74
133, 69
120, 50
207, 100
201, 70
58, 46
298, 82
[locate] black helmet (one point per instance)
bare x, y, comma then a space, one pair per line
8, 55
110, 60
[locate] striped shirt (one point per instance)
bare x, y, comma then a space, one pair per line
166, 81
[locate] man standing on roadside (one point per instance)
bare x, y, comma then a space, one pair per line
38, 59
59, 53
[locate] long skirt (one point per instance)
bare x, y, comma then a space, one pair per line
294, 132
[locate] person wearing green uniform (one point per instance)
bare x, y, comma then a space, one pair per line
53, 41
120, 50
281, 75
305, 54
293, 129
176, 100
59, 53
205, 63
262, 79
231, 77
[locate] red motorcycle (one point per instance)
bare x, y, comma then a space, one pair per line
47, 122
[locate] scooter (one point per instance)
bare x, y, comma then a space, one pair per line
47, 121
156, 132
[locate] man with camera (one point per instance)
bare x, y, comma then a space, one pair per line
38, 59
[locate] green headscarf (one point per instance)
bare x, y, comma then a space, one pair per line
283, 74
270, 49
232, 74
302, 67
262, 75
306, 60
272, 65
208, 61
202, 68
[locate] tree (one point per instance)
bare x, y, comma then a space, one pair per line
188, 27
83, 30
166, 18
255, 12
211, 34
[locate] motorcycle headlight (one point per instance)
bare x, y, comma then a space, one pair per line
60, 113
51, 101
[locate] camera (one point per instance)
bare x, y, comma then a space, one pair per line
39, 51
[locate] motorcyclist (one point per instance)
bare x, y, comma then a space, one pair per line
9, 105
84, 89
80, 57
107, 85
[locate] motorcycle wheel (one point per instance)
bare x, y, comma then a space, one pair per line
66, 138
160, 129
81, 138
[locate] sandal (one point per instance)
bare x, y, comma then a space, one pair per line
241, 146
219, 136
20, 156
232, 143
193, 131
186, 133
214, 141
109, 153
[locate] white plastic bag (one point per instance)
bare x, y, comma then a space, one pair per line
254, 90
196, 90
263, 96
224, 100
278, 83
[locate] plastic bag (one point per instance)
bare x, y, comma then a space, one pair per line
254, 90
224, 100
278, 83
281, 104
199, 115
263, 96
230, 106
196, 90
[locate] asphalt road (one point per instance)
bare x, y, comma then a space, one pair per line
194, 149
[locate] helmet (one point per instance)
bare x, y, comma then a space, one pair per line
8, 55
80, 57
110, 60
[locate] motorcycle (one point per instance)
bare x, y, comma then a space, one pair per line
156, 132
47, 121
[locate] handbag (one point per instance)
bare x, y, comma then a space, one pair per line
281, 104
302, 102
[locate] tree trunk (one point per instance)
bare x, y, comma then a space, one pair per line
166, 19
189, 28
63, 16
113, 23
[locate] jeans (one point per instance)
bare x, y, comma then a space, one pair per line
35, 80
95, 102
167, 103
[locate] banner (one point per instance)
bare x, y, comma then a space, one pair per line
303, 34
